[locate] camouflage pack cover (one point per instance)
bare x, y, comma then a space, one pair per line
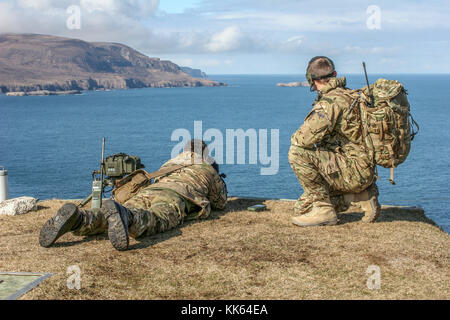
131, 185
387, 123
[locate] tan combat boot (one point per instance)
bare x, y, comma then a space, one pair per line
367, 201
321, 214
303, 205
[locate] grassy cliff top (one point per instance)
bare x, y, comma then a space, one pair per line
238, 254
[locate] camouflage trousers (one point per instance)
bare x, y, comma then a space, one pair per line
326, 175
153, 211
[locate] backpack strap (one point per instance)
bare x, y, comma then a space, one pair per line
414, 132
153, 175
132, 184
391, 180
165, 171
352, 106
365, 131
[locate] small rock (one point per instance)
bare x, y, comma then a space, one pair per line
17, 206
293, 84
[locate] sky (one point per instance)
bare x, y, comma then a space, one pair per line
253, 36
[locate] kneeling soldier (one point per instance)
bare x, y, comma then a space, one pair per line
186, 194
329, 155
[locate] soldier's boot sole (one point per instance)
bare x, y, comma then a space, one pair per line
117, 225
63, 222
316, 224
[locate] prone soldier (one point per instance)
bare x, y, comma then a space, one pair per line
186, 194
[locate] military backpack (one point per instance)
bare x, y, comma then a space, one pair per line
388, 124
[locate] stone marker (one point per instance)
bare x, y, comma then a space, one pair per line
17, 206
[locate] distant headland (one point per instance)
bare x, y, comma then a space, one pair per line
293, 84
32, 63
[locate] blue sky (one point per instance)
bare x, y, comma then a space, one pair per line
177, 6
256, 36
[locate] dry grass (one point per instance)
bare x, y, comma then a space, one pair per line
239, 254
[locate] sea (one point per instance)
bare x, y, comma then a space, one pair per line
50, 145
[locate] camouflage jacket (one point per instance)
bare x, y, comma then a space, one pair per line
334, 124
198, 183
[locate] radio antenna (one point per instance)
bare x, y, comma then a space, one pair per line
368, 84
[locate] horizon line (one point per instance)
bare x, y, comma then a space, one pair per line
344, 73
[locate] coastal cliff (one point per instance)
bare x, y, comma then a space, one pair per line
31, 62
196, 73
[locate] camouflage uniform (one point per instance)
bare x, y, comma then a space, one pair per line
187, 194
328, 153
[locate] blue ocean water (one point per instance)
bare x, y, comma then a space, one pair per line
50, 145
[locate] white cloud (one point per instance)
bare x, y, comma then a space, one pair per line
211, 63
378, 50
293, 43
183, 62
131, 8
228, 29
35, 4
305, 16
37, 15
227, 40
